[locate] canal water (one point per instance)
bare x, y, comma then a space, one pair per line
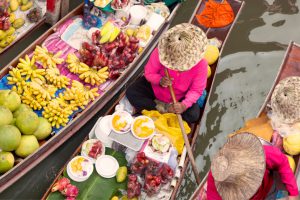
249, 63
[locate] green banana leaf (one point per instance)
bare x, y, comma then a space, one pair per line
96, 187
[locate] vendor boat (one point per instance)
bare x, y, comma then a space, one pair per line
289, 67
218, 33
109, 89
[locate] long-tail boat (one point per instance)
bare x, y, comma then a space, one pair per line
219, 33
289, 67
81, 118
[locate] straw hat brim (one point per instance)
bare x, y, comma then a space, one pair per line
285, 100
239, 167
182, 47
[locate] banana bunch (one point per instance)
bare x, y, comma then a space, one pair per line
29, 69
74, 64
30, 99
89, 94
54, 77
291, 144
47, 59
95, 77
57, 113
39, 91
75, 97
15, 78
109, 32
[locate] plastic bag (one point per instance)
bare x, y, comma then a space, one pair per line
168, 125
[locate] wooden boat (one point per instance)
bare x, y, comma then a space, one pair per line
219, 33
289, 67
83, 117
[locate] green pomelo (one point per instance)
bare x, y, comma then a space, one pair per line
28, 145
10, 99
27, 122
10, 137
22, 108
6, 116
43, 130
6, 161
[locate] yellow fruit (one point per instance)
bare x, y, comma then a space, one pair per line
291, 162
129, 32
10, 38
114, 34
2, 34
4, 43
107, 27
144, 33
115, 198
27, 6
23, 2
211, 54
13, 5
10, 31
105, 38
12, 17
18, 23
208, 71
291, 144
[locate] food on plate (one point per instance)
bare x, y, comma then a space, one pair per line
121, 122
121, 174
160, 143
119, 4
133, 186
80, 168
143, 127
93, 149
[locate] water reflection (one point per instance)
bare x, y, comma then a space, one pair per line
249, 64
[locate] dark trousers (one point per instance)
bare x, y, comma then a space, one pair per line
141, 96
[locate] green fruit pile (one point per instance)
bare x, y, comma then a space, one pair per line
20, 129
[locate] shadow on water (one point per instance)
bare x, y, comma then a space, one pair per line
249, 64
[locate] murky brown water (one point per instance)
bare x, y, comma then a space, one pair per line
249, 64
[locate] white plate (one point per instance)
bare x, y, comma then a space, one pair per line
126, 116
150, 124
80, 178
106, 166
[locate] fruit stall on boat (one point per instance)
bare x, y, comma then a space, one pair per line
134, 157
18, 18
261, 125
70, 73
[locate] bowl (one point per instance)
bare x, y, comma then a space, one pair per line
121, 122
92, 149
103, 129
144, 125
106, 166
80, 168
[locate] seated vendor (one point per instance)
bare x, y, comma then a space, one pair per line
243, 169
180, 51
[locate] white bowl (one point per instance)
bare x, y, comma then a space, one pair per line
150, 124
80, 178
106, 166
86, 155
126, 116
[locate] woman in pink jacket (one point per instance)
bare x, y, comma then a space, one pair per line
180, 51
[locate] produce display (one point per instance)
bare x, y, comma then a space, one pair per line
20, 129
14, 17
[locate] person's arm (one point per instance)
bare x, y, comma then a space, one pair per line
152, 68
276, 160
212, 192
198, 85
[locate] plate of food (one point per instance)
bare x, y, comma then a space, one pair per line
121, 122
92, 149
142, 127
80, 168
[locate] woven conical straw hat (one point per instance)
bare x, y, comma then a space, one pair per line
285, 100
182, 47
239, 167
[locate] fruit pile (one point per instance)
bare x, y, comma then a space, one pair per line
65, 187
20, 129
155, 175
111, 48
133, 186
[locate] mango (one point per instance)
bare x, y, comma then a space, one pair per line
13, 5
10, 31
18, 23
27, 6
121, 174
2, 34
12, 17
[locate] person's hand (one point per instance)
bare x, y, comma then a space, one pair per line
294, 197
165, 81
177, 108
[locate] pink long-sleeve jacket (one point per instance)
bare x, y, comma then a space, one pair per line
188, 85
275, 161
